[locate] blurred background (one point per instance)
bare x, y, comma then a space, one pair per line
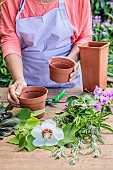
102, 25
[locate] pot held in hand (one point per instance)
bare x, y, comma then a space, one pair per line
34, 98
60, 69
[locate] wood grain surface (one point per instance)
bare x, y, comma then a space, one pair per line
40, 159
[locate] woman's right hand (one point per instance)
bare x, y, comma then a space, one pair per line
14, 90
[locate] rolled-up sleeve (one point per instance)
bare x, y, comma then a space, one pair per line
85, 24
10, 41
80, 17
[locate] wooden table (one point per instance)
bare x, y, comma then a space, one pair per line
40, 159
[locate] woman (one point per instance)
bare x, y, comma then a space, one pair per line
35, 30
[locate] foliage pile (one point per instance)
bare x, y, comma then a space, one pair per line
82, 122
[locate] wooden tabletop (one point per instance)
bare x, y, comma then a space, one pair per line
40, 159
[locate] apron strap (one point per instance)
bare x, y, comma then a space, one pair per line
21, 8
22, 3
61, 4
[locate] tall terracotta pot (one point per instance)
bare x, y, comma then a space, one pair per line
34, 98
94, 64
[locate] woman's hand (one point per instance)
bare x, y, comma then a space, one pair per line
74, 73
14, 90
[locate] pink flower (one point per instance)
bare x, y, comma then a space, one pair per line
97, 106
104, 100
97, 92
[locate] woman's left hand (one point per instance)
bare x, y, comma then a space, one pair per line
74, 73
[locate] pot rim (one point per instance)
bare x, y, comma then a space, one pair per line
35, 98
72, 63
85, 45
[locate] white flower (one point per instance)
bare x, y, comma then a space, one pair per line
47, 134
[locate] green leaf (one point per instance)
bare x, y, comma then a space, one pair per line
10, 122
1, 105
97, 5
102, 4
110, 74
23, 115
31, 123
22, 142
70, 103
107, 127
69, 134
85, 96
13, 141
2, 109
36, 113
5, 80
7, 134
9, 107
11, 82
50, 148
92, 101
29, 146
73, 98
59, 113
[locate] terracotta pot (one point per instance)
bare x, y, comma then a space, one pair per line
60, 69
94, 64
33, 97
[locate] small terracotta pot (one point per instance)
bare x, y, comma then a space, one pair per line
94, 64
34, 98
60, 69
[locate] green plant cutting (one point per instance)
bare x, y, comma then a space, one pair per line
78, 128
7, 121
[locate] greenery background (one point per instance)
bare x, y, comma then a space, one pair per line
102, 22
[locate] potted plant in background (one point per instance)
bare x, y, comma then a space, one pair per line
94, 64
